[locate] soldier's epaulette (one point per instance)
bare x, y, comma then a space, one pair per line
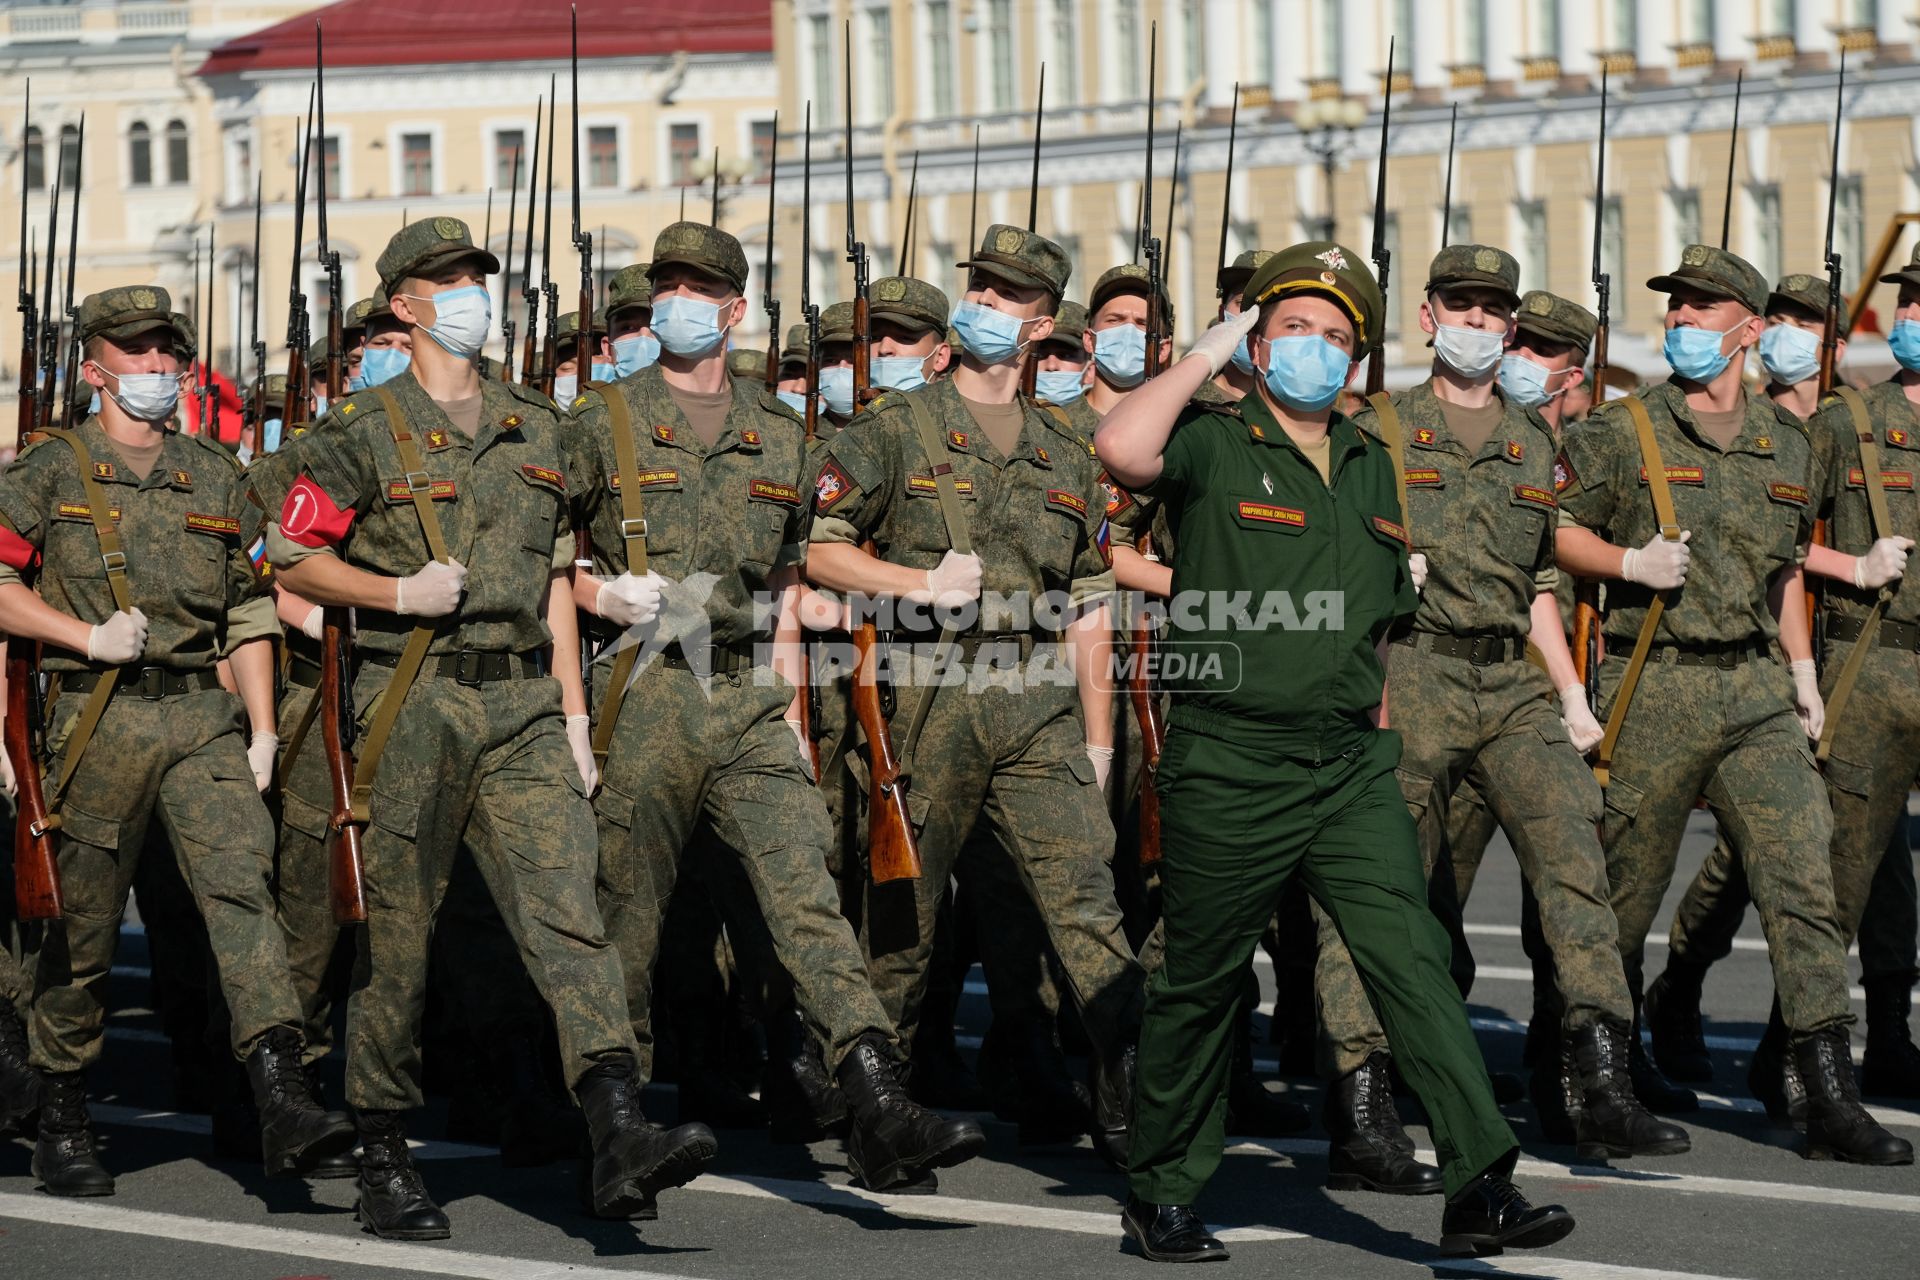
528, 395
880, 403
774, 404
351, 409
220, 451
1060, 424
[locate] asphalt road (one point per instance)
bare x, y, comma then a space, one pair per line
1743, 1203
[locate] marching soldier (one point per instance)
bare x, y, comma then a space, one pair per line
791, 389
836, 371
1711, 716
909, 323
1060, 378
387, 349
694, 486
441, 467
566, 370
1278, 767
629, 344
142, 728
1238, 378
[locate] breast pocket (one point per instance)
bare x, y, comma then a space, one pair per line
546, 497
210, 541
1787, 506
1055, 535
1523, 531
662, 501
770, 507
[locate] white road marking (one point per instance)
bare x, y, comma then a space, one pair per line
1534, 1264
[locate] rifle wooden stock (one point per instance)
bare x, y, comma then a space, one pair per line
346, 887
892, 851
1153, 731
1586, 639
36, 873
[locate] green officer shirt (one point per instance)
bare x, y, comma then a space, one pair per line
1747, 506
188, 529
1292, 580
500, 496
721, 517
1840, 487
1483, 518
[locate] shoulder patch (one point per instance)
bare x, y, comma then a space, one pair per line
834, 484
957, 439
663, 433
1563, 474
750, 437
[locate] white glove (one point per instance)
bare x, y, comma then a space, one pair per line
261, 750
1216, 346
1582, 729
580, 738
1417, 565
1660, 564
314, 623
955, 581
7, 782
627, 601
1807, 703
806, 748
1102, 758
119, 639
1885, 560
433, 592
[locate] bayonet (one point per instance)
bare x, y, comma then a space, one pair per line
1033, 184
529, 291
1733, 152
767, 298
713, 211
1830, 337
71, 313
856, 254
1446, 209
973, 205
294, 411
1226, 199
582, 238
329, 260
49, 320
904, 261
548, 289
507, 328
29, 316
1382, 256
809, 312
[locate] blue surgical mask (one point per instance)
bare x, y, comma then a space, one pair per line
1525, 381
93, 405
378, 365
319, 405
602, 371
566, 389
794, 400
688, 327
1242, 359
270, 434
462, 318
900, 373
991, 337
633, 353
1790, 354
1905, 341
1059, 386
1121, 353
1695, 354
836, 389
1306, 373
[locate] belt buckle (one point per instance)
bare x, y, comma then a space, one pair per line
469, 675
631, 529
153, 684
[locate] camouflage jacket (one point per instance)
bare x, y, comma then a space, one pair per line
1840, 488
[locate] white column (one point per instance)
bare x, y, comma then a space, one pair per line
1503, 42
1810, 27
1223, 52
1732, 25
1655, 29
1428, 41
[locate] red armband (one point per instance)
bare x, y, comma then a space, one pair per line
16, 552
311, 519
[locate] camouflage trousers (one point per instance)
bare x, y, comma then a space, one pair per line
1010, 751
1496, 727
1874, 760
14, 987
1470, 830
182, 759
490, 765
301, 871
1732, 737
715, 751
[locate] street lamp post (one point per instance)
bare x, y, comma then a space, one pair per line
1326, 128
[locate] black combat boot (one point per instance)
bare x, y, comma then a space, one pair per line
1557, 1101
1029, 1084
1368, 1149
1111, 1080
63, 1158
1253, 1110
940, 1077
1673, 1020
342, 1164
393, 1202
1490, 1215
802, 1104
294, 1131
1655, 1091
19, 1082
1838, 1127
1890, 1068
1774, 1077
1170, 1232
893, 1139
1612, 1122
633, 1160
539, 1123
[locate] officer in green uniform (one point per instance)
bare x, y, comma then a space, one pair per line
1061, 375
1478, 471
1711, 716
1011, 742
694, 484
150, 532
1289, 569
471, 740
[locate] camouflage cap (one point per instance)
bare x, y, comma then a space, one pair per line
1328, 269
127, 313
1126, 278
1069, 324
1909, 274
421, 248
708, 250
186, 338
317, 358
570, 324
1233, 278
276, 390
796, 348
359, 313
1022, 258
1476, 264
1552, 317
1799, 292
910, 303
836, 323
1717, 273
745, 362
630, 287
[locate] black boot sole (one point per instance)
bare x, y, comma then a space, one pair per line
1549, 1230
334, 1168
1139, 1237
300, 1162
430, 1233
1596, 1150
1360, 1182
74, 1193
1843, 1157
636, 1195
945, 1155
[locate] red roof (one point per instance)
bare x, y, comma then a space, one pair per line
378, 33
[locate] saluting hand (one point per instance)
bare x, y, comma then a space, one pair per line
1660, 564
119, 639
1217, 345
1582, 729
1884, 561
433, 592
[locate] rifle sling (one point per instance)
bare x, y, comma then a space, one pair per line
1670, 530
1882, 526
960, 536
633, 530
419, 486
300, 730
114, 557
1388, 418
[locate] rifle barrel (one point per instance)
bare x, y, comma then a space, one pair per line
1733, 152
1039, 120
1226, 198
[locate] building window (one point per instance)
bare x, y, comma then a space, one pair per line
879, 65
1066, 54
1866, 13
1686, 219
33, 166
1613, 255
1126, 36
763, 146
683, 155
1626, 25
940, 55
1403, 29
1190, 30
1459, 224
509, 158
1474, 50
824, 93
1533, 244
1782, 17
1699, 22
416, 164
1546, 18
1326, 39
1766, 218
329, 151
177, 166
70, 157
603, 156
1262, 42
139, 155
1000, 52
242, 170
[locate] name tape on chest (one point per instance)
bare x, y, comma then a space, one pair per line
1393, 529
1267, 513
1793, 494
1681, 475
773, 491
1422, 475
437, 491
223, 526
1534, 494
652, 478
544, 475
1857, 479
81, 511
1061, 500
927, 487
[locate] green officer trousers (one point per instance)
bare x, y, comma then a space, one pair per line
182, 759
488, 764
1238, 824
